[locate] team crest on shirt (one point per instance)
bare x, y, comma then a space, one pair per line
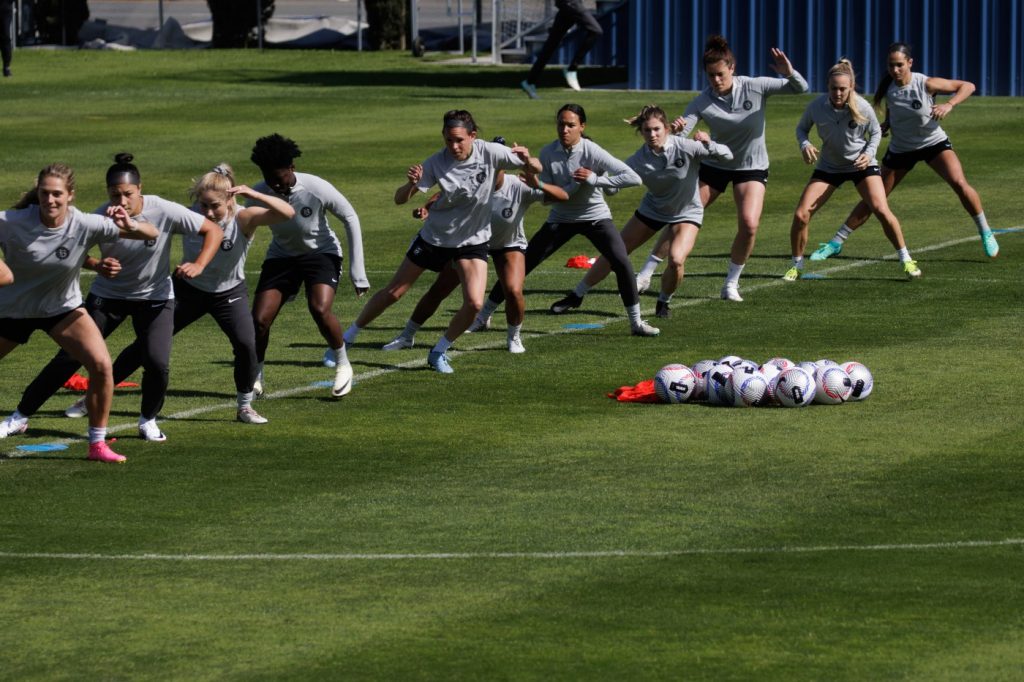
227, 245
506, 212
306, 211
62, 253
747, 105
916, 104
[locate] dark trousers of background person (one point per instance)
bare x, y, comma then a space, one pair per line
605, 238
152, 321
570, 13
6, 33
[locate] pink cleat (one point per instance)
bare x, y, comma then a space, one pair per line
101, 452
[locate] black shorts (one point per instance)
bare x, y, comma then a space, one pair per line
20, 329
907, 160
656, 225
718, 179
435, 258
287, 274
837, 179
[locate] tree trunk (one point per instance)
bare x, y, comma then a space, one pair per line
387, 19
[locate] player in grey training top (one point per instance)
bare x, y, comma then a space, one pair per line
734, 108
849, 134
305, 252
912, 117
668, 165
44, 241
582, 169
135, 282
220, 289
457, 228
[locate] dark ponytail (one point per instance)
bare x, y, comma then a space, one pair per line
886, 81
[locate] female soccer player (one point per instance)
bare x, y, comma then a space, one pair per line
583, 169
734, 109
45, 241
458, 227
305, 250
843, 120
913, 119
666, 164
513, 196
135, 282
220, 290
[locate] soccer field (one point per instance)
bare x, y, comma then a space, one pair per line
510, 521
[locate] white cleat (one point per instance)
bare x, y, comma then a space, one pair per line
399, 343
77, 409
645, 329
731, 292
247, 415
515, 344
12, 426
342, 381
150, 431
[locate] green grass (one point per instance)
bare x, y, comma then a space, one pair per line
516, 462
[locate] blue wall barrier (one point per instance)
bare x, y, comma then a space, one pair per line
977, 40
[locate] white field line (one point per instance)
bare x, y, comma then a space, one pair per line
420, 362
605, 554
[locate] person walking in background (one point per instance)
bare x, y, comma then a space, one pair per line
7, 34
850, 134
45, 241
570, 13
913, 119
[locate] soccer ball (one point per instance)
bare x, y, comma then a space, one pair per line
700, 368
794, 388
862, 380
781, 363
748, 386
674, 383
717, 389
832, 386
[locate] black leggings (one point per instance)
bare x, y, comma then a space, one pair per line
230, 310
570, 13
605, 238
153, 322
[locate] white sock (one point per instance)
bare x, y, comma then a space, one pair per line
351, 333
410, 329
665, 298
488, 309
341, 355
798, 262
634, 314
650, 265
581, 289
243, 399
982, 223
733, 278
842, 234
904, 254
442, 346
97, 434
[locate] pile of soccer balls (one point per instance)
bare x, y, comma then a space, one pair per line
733, 381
